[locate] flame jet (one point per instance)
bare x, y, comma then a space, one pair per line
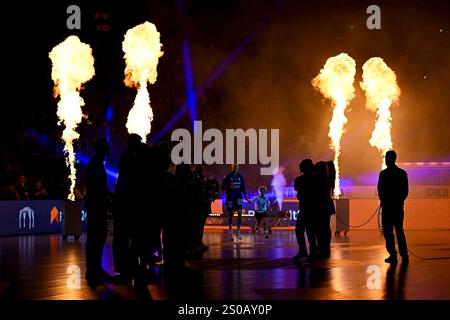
380, 85
72, 65
335, 82
142, 50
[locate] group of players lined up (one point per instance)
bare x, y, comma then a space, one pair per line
152, 197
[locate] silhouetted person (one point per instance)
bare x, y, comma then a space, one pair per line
393, 191
185, 177
325, 172
234, 185
331, 170
21, 190
213, 189
179, 281
162, 163
305, 187
126, 204
96, 207
144, 225
202, 208
173, 222
38, 192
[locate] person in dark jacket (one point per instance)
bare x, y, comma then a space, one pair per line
96, 207
325, 174
206, 191
185, 177
174, 220
392, 192
305, 187
126, 205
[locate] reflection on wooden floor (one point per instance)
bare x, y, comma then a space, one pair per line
35, 267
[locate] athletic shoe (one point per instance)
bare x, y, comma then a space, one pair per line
300, 255
391, 259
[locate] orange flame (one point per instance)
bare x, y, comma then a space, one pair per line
142, 50
335, 82
72, 65
380, 84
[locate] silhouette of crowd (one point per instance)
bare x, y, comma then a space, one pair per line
160, 210
22, 191
314, 191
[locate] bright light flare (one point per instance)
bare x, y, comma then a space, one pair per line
142, 48
72, 65
382, 91
335, 82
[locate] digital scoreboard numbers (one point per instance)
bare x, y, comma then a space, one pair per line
102, 21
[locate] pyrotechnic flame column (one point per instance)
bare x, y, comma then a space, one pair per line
142, 49
72, 66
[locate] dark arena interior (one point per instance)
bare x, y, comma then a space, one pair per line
243, 152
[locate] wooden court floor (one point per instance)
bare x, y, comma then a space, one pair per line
42, 267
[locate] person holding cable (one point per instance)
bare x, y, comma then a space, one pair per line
392, 192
